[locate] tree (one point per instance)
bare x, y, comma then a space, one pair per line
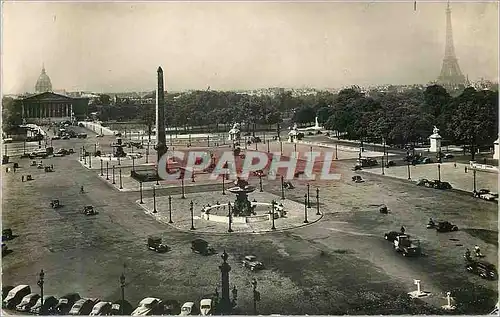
304, 115
11, 114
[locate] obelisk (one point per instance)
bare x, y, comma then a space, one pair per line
161, 144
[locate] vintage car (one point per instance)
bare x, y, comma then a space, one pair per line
89, 211
357, 179
49, 305
206, 307
15, 296
188, 309
483, 269
101, 309
445, 226
250, 261
155, 244
201, 246
83, 306
65, 303
27, 302
148, 306
55, 204
121, 308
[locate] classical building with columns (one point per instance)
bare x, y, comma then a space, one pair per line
50, 107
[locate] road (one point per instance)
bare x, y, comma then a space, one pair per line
340, 265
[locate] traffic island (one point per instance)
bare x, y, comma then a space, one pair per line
191, 214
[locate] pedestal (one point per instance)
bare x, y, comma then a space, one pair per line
435, 143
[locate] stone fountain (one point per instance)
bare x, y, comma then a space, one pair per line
242, 207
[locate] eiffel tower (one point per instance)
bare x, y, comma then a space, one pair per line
451, 76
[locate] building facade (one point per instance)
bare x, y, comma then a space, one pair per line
50, 107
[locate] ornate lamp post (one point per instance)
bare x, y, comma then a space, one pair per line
192, 216
40, 284
223, 185
121, 184
147, 152
102, 174
281, 147
383, 173
260, 183
474, 185
268, 150
133, 163
230, 218
256, 296
305, 209
140, 191
113, 173
439, 172
317, 202
170, 209
409, 176
154, 200
225, 305
122, 285
282, 188
90, 161
119, 161
336, 152
182, 188
308, 196
272, 214
107, 171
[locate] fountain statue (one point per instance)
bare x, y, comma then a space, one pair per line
235, 133
242, 206
435, 139
293, 134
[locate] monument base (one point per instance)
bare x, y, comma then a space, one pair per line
435, 143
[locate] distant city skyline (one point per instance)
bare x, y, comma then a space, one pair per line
117, 47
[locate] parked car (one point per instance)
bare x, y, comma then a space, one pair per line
489, 196
250, 261
48, 308
441, 185
65, 303
148, 306
5, 249
118, 306
6, 290
27, 302
448, 156
65, 137
171, 307
445, 226
425, 160
357, 179
155, 244
406, 246
391, 235
83, 306
101, 309
189, 308
55, 204
367, 162
56, 137
206, 307
201, 246
422, 182
390, 163
89, 211
7, 234
15, 296
483, 269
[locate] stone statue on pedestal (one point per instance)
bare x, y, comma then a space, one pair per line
293, 134
435, 139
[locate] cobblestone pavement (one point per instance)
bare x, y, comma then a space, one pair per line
456, 176
181, 215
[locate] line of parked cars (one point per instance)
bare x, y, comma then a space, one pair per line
22, 299
485, 194
437, 184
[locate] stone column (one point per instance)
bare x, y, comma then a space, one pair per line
23, 113
67, 110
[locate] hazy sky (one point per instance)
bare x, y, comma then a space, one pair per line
112, 47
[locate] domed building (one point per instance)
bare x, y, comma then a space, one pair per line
43, 83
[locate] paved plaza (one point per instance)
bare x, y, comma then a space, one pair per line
181, 216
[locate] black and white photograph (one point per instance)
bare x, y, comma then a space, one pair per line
250, 157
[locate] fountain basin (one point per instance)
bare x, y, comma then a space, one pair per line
266, 216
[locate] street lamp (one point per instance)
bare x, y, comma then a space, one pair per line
305, 209
281, 147
40, 283
102, 174
122, 285
192, 216
317, 202
133, 163
256, 296
223, 185
268, 150
113, 170
107, 171
154, 199
272, 214
230, 218
182, 188
474, 173
439, 172
147, 153
140, 191
121, 184
282, 188
336, 153
260, 183
170, 209
383, 165
408, 165
308, 196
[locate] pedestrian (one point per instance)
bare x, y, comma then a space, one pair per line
466, 169
403, 230
22, 178
455, 164
477, 251
52, 166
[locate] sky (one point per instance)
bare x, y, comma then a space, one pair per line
117, 47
